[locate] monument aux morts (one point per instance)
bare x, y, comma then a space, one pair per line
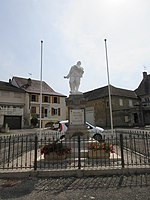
76, 104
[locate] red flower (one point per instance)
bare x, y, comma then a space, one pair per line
101, 146
57, 147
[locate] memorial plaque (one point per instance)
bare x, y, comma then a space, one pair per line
77, 117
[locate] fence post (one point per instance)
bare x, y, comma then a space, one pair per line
79, 155
9, 152
35, 153
122, 154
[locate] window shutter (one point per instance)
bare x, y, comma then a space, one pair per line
52, 111
42, 109
58, 111
33, 110
52, 99
37, 98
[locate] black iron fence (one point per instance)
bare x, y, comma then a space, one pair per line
48, 152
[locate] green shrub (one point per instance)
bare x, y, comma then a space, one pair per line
34, 121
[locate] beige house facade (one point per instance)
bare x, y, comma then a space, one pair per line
20, 102
53, 103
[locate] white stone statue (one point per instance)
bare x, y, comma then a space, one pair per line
75, 75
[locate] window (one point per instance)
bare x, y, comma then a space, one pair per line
45, 111
45, 98
55, 99
143, 99
135, 117
120, 102
33, 110
54, 111
33, 97
126, 119
130, 103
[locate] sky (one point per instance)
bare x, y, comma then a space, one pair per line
71, 31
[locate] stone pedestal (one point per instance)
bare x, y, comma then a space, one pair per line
76, 114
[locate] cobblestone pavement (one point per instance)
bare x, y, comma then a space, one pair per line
135, 187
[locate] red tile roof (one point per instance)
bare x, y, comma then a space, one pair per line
33, 86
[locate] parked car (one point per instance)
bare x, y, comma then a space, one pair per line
56, 126
95, 131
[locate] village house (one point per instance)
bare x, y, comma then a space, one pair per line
12, 103
124, 110
143, 93
20, 102
53, 103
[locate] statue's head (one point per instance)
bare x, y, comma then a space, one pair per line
79, 63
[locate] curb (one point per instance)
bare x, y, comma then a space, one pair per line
73, 173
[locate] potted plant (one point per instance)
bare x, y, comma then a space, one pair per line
55, 151
100, 150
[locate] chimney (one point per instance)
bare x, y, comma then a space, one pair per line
10, 81
144, 75
29, 81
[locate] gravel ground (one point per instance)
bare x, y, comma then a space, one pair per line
112, 188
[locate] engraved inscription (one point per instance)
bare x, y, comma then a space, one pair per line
76, 116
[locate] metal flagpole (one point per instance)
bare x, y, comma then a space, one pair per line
109, 92
41, 88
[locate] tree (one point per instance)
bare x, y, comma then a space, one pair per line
34, 121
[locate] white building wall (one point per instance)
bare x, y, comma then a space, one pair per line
11, 104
